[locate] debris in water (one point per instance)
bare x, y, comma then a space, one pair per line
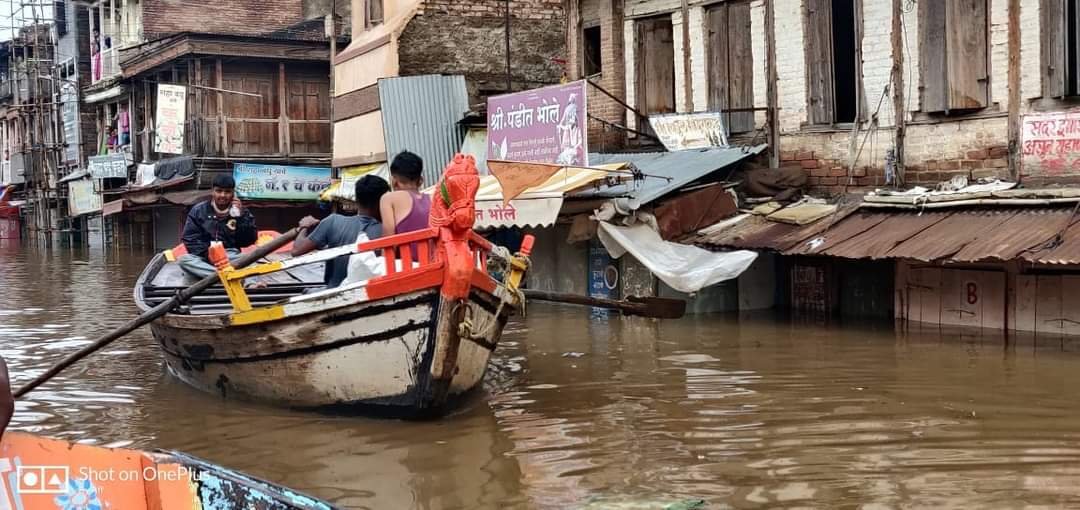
573, 354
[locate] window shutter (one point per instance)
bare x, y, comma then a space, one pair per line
741, 67
819, 58
968, 67
717, 25
1052, 13
932, 60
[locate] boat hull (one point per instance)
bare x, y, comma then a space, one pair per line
42, 472
383, 355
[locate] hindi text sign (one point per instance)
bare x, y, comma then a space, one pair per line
277, 182
108, 166
171, 115
682, 131
81, 197
1050, 144
545, 125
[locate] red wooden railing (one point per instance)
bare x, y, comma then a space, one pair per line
401, 247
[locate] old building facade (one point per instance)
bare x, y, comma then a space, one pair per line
438, 37
834, 73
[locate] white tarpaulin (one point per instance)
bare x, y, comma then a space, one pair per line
684, 268
531, 212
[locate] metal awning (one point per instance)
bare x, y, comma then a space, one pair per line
73, 176
667, 172
105, 95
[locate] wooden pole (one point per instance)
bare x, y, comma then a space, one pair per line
156, 312
657, 308
688, 76
771, 80
1014, 90
899, 108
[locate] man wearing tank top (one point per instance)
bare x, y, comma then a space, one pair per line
405, 209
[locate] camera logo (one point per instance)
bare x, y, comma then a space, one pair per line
42, 479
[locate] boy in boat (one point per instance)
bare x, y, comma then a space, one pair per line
339, 230
405, 209
222, 218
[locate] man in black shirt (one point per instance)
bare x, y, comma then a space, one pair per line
222, 218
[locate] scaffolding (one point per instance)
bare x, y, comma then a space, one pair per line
33, 128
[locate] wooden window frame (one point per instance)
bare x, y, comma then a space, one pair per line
827, 119
370, 21
1054, 51
640, 92
947, 101
585, 53
722, 56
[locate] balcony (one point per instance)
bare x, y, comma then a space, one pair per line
105, 65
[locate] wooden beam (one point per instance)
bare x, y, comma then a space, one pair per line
573, 40
356, 103
224, 126
899, 108
283, 113
148, 135
1014, 90
688, 76
771, 84
199, 113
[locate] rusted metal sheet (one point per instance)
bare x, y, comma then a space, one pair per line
1052, 251
948, 236
852, 226
1023, 230
758, 233
877, 242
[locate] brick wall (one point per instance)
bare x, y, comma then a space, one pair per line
232, 17
521, 9
613, 79
468, 38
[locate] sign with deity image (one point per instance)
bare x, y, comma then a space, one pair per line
545, 125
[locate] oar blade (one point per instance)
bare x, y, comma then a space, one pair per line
660, 308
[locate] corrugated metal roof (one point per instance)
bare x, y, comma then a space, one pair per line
683, 167
961, 235
421, 114
873, 235
754, 232
1054, 251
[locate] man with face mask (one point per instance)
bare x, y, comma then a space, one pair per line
222, 218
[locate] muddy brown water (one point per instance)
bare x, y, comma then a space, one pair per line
582, 412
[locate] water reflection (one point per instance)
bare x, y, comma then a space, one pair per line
586, 413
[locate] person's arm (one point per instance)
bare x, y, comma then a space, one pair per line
194, 239
305, 243
386, 210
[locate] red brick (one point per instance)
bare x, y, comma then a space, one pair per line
979, 154
996, 163
864, 181
787, 156
810, 164
859, 172
790, 164
813, 180
947, 165
819, 172
828, 181
234, 17
971, 165
998, 152
838, 172
803, 156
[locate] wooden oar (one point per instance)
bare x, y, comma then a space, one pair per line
654, 307
157, 311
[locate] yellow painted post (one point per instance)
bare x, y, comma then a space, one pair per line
234, 287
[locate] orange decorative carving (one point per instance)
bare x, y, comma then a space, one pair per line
453, 212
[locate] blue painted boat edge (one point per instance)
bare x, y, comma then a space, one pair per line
218, 486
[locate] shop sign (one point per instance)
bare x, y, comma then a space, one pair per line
545, 125
277, 182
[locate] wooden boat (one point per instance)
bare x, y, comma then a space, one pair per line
408, 342
50, 473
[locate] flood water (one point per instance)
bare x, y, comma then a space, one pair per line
742, 412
